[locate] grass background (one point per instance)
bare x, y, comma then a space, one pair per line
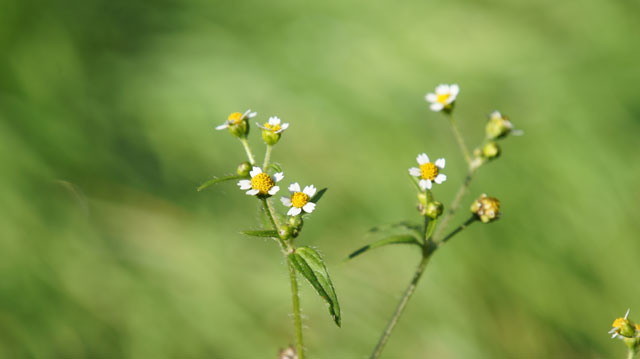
107, 110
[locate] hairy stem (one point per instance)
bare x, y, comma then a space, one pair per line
267, 157
455, 203
403, 302
288, 249
297, 321
460, 139
461, 227
247, 149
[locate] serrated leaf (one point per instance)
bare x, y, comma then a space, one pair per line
215, 180
309, 263
398, 239
316, 197
261, 233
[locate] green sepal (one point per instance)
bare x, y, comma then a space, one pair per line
215, 180
309, 263
274, 166
273, 234
398, 239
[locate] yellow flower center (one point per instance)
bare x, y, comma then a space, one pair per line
299, 199
618, 323
429, 171
443, 98
638, 327
235, 118
262, 182
273, 128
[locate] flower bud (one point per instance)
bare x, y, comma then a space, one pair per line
498, 126
434, 209
285, 232
296, 222
487, 209
270, 137
288, 353
243, 169
491, 150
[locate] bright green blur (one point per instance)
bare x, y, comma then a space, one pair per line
107, 116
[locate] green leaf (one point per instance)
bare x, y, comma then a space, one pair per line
218, 180
261, 233
318, 195
309, 263
398, 239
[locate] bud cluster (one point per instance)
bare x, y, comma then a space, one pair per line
486, 208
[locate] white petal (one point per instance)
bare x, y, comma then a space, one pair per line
422, 159
222, 127
294, 187
253, 192
309, 191
294, 211
440, 163
425, 184
437, 106
283, 127
613, 330
442, 89
274, 120
440, 178
454, 90
431, 97
286, 201
245, 114
252, 114
274, 190
415, 172
244, 184
279, 176
255, 171
262, 127
627, 313
309, 207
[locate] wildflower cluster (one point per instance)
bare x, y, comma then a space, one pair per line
429, 236
262, 182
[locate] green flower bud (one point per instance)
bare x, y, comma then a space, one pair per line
487, 209
240, 129
243, 169
296, 222
434, 209
498, 126
270, 137
285, 232
491, 151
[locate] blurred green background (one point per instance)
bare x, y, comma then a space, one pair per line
107, 116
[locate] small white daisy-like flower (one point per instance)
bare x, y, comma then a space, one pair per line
443, 98
624, 328
300, 200
261, 184
236, 118
428, 172
274, 125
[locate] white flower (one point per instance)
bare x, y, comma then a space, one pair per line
261, 184
300, 200
443, 98
274, 125
236, 118
428, 171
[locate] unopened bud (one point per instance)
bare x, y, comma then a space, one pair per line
434, 209
243, 169
288, 353
487, 209
270, 137
498, 126
285, 232
491, 150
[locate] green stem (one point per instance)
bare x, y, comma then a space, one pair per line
461, 227
403, 302
297, 321
460, 139
267, 157
631, 354
288, 249
247, 149
455, 203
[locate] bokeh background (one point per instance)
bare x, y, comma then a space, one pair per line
107, 116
